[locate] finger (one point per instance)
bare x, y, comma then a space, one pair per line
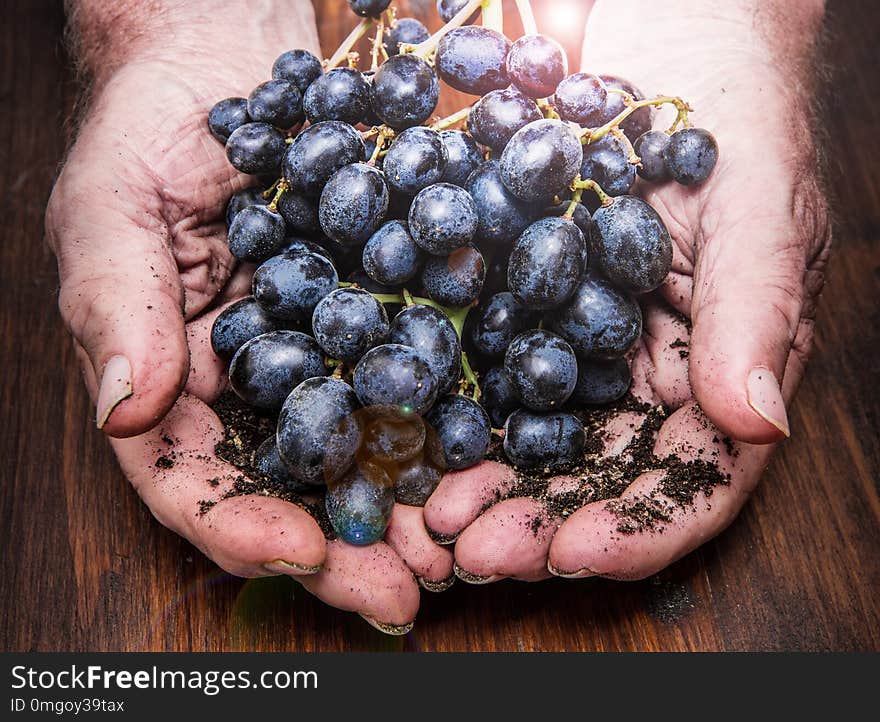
462, 495
654, 523
430, 562
372, 581
665, 361
208, 377
176, 473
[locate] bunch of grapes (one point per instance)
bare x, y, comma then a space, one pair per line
482, 289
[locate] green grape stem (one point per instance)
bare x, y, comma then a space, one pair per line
579, 186
281, 188
424, 49
452, 120
353, 37
591, 135
378, 44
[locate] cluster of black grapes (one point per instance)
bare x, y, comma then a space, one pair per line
515, 301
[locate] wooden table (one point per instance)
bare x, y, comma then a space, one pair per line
85, 567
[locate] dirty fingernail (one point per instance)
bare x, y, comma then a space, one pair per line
115, 387
441, 539
279, 566
466, 576
765, 398
435, 586
395, 630
584, 573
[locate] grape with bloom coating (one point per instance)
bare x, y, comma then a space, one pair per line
691, 155
239, 323
606, 161
474, 60
255, 148
416, 159
299, 67
502, 217
463, 157
359, 505
601, 382
498, 115
318, 152
353, 204
256, 234
501, 319
543, 440
457, 279
430, 333
498, 396
369, 8
542, 369
341, 94
442, 217
348, 323
395, 376
581, 98
277, 102
404, 31
536, 65
405, 91
463, 428
541, 160
289, 286
650, 147
227, 116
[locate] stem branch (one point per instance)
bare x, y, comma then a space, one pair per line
530, 27
591, 135
424, 49
354, 36
451, 120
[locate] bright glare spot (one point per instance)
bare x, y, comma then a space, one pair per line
562, 19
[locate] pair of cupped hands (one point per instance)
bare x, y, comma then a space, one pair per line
136, 220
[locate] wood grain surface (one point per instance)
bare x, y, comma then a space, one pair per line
85, 567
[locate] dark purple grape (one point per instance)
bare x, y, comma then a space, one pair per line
474, 60
416, 159
601, 382
606, 161
227, 116
502, 216
389, 439
691, 155
243, 199
353, 204
268, 461
463, 154
549, 441
582, 218
405, 91
299, 212
256, 234
432, 336
318, 152
318, 427
416, 480
359, 505
256, 148
341, 94
457, 279
299, 67
396, 377
636, 124
463, 428
348, 323
276, 102
498, 396
289, 286
541, 161
239, 323
599, 321
498, 115
448, 9
581, 98
267, 368
542, 369
369, 8
631, 244
537, 64
404, 31
391, 257
442, 217
547, 263
500, 320
650, 147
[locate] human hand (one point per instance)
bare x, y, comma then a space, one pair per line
750, 250
136, 221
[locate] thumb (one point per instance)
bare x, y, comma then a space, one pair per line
122, 300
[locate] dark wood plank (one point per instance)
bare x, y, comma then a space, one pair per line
84, 566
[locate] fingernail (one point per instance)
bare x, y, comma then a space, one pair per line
441, 539
765, 398
395, 630
433, 586
279, 566
115, 387
466, 576
584, 573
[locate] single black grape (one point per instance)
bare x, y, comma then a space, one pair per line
582, 98
341, 94
395, 440
289, 286
582, 218
318, 152
268, 461
457, 279
463, 154
599, 321
498, 115
691, 155
267, 368
300, 213
601, 382
369, 8
300, 67
537, 64
348, 323
547, 441
353, 204
256, 148
404, 31
463, 428
502, 217
317, 420
650, 147
473, 60
636, 124
500, 320
241, 200
448, 9
542, 369
432, 336
405, 91
631, 244
606, 161
416, 480
498, 396
239, 323
541, 160
359, 505
442, 217
276, 102
391, 257
547, 263
396, 377
227, 116
416, 159
256, 234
